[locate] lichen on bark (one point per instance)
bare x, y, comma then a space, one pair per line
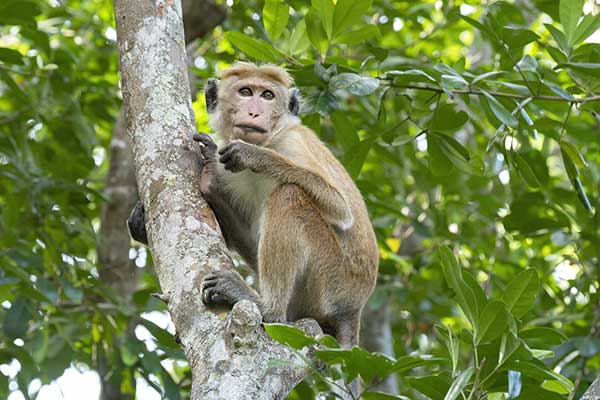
182, 233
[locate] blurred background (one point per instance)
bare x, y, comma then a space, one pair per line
461, 121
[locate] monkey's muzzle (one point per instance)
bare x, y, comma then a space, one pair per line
251, 128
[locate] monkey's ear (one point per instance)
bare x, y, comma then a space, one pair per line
210, 94
294, 104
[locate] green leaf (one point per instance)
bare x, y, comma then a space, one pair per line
275, 17
321, 101
559, 36
521, 292
558, 90
570, 11
345, 132
573, 174
348, 13
574, 154
483, 77
408, 363
439, 163
478, 292
538, 371
356, 156
164, 337
381, 396
356, 84
17, 318
299, 40
517, 38
358, 362
492, 323
588, 25
314, 29
10, 56
324, 8
453, 274
433, 386
459, 384
360, 35
500, 111
542, 337
24, 12
255, 48
447, 118
289, 335
525, 170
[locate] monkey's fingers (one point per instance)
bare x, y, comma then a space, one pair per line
205, 139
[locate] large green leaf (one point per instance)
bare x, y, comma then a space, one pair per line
453, 273
345, 131
459, 384
348, 13
570, 11
275, 17
521, 292
289, 335
255, 48
325, 10
356, 84
538, 371
433, 386
500, 111
10, 56
492, 323
299, 40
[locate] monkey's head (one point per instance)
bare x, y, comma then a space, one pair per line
251, 103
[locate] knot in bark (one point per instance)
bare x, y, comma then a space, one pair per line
243, 324
309, 326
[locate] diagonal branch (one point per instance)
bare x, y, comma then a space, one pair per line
581, 100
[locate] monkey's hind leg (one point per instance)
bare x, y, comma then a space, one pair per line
137, 224
282, 254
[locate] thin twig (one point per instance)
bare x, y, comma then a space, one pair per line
582, 100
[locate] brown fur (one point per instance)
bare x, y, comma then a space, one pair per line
298, 217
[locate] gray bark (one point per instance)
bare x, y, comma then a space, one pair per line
593, 392
228, 353
115, 268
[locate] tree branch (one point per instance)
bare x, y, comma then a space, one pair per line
582, 100
228, 354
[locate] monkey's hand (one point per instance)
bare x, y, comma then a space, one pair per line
239, 155
208, 148
226, 286
207, 165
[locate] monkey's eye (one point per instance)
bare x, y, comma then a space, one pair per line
245, 91
267, 95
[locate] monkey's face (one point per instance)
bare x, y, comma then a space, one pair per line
254, 109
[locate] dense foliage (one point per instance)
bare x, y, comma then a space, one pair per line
473, 125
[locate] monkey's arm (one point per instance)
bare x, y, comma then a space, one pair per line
136, 223
235, 230
239, 155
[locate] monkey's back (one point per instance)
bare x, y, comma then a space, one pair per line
358, 242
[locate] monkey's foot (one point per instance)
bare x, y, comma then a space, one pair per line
227, 287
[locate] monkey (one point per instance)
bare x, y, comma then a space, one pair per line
285, 204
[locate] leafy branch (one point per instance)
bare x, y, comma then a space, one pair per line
587, 99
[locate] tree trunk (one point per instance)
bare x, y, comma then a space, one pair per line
115, 268
593, 392
228, 353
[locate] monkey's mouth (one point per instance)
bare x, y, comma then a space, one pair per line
251, 128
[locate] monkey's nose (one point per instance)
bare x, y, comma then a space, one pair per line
254, 115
